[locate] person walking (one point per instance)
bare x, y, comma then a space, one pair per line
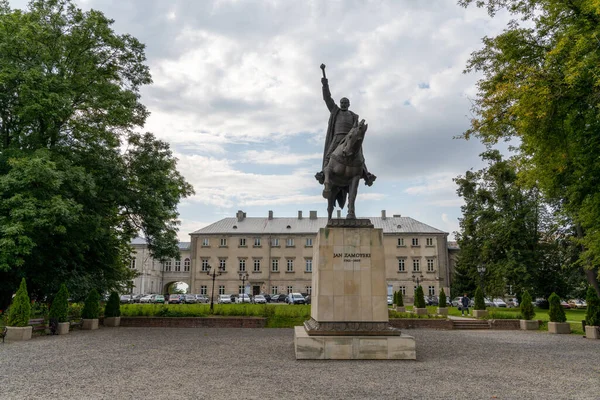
465, 304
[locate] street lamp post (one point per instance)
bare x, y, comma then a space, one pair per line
481, 270
214, 275
243, 277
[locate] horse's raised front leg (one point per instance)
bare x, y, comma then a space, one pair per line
327, 185
353, 189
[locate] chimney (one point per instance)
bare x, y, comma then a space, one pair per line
339, 214
240, 215
313, 215
270, 214
382, 214
299, 214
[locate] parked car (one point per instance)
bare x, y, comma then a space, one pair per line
488, 302
126, 298
200, 298
137, 297
158, 298
564, 304
224, 299
260, 299
189, 299
279, 298
243, 298
266, 296
499, 303
307, 299
432, 300
296, 298
542, 303
390, 300
577, 303
512, 302
146, 299
175, 299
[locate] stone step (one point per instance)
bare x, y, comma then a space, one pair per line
470, 324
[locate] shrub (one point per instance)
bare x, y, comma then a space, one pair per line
442, 303
592, 315
20, 309
527, 310
556, 313
59, 309
113, 306
395, 298
400, 300
479, 301
419, 299
91, 308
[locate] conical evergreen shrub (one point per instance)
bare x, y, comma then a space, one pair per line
113, 306
442, 302
419, 299
91, 308
400, 300
395, 298
556, 313
592, 315
479, 301
20, 309
59, 309
527, 311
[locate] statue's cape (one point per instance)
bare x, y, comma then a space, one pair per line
331, 126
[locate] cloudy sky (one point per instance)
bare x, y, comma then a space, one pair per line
237, 94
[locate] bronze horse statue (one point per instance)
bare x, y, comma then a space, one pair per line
344, 171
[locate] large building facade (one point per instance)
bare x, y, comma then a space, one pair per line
277, 255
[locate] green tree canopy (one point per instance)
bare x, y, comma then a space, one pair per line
541, 86
77, 179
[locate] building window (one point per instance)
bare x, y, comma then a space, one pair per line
290, 289
242, 242
309, 265
275, 242
242, 264
416, 265
275, 290
401, 265
275, 265
402, 289
223, 242
309, 242
203, 290
222, 264
432, 290
257, 242
241, 289
204, 264
257, 265
205, 242
429, 241
177, 265
430, 265
186, 265
132, 264
289, 242
168, 266
401, 242
290, 265
415, 241
309, 290
221, 289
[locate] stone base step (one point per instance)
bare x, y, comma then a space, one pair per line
470, 324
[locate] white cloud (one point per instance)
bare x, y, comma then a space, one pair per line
275, 157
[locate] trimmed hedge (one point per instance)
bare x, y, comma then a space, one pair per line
113, 306
592, 315
527, 311
400, 300
20, 309
91, 308
556, 313
59, 309
419, 299
479, 301
442, 302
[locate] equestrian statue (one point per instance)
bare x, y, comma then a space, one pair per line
343, 162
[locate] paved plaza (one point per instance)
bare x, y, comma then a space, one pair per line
215, 363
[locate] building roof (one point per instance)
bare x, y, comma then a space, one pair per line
255, 225
142, 241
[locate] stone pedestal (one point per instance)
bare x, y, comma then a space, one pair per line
349, 310
442, 311
112, 321
90, 324
63, 328
559, 327
529, 325
420, 311
480, 313
18, 333
400, 309
592, 332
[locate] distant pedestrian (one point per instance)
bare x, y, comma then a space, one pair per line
465, 304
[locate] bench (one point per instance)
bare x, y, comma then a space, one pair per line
75, 322
38, 324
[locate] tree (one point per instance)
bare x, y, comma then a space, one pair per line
91, 307
20, 309
527, 311
479, 300
556, 312
77, 182
592, 315
419, 299
400, 300
113, 306
541, 85
442, 302
59, 309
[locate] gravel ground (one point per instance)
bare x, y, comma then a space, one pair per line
186, 363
